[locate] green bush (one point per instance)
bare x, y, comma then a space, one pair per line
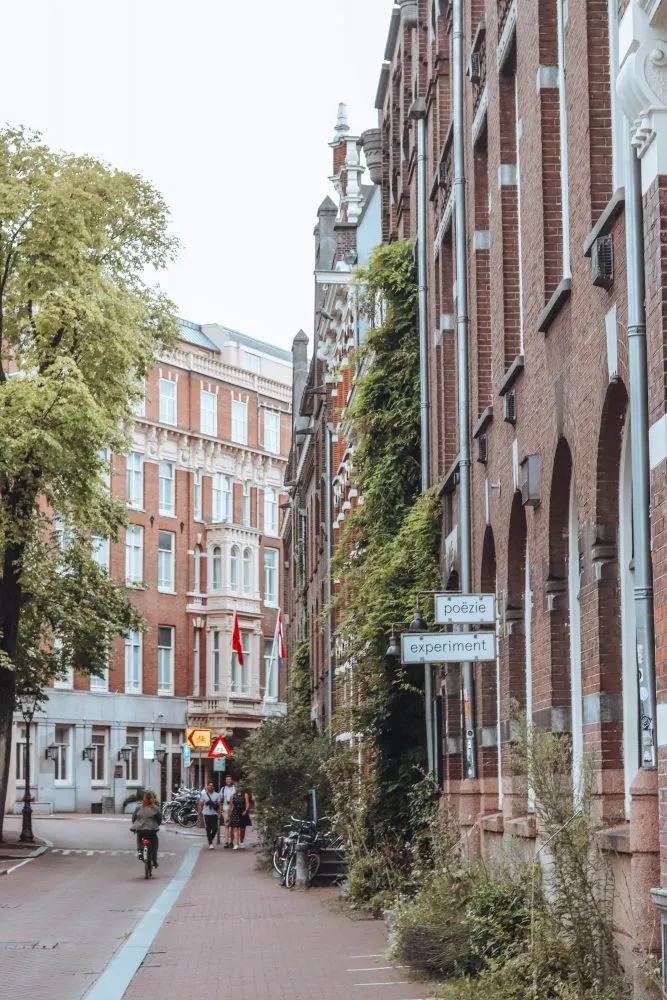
281, 762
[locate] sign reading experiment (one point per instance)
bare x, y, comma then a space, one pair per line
448, 647
465, 609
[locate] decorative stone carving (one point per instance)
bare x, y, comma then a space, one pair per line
642, 87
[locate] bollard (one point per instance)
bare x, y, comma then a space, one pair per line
302, 866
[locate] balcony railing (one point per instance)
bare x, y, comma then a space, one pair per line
478, 68
503, 10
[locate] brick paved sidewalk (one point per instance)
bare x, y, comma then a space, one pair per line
236, 932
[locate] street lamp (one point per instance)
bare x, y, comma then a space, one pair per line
161, 755
88, 753
417, 624
27, 707
51, 752
125, 753
394, 647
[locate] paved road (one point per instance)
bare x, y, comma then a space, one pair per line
82, 921
64, 915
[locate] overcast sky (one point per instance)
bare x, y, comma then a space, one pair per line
228, 106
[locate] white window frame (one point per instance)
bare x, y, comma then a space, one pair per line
101, 553
239, 421
105, 456
19, 750
164, 689
240, 679
134, 554
221, 493
168, 401
101, 750
271, 511
247, 573
247, 494
197, 494
197, 556
216, 569
208, 426
272, 434
196, 662
216, 663
134, 480
64, 760
65, 683
166, 584
270, 695
235, 569
136, 758
271, 574
139, 408
167, 483
134, 655
100, 685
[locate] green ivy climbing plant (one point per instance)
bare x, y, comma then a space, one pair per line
388, 551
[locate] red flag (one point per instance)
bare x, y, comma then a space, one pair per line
237, 645
281, 641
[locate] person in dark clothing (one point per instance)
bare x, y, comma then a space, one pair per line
210, 804
146, 820
239, 817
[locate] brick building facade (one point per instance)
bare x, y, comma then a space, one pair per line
547, 91
203, 483
319, 465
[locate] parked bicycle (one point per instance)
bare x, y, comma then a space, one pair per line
182, 808
298, 833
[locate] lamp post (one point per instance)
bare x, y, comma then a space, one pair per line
27, 707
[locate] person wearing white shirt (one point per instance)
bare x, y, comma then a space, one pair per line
228, 793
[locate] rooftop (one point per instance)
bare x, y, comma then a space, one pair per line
192, 333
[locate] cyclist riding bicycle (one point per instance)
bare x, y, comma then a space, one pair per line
146, 820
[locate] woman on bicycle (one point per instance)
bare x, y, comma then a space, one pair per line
146, 820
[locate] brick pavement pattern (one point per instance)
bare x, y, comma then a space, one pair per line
236, 932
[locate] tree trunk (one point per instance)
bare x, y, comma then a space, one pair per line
7, 699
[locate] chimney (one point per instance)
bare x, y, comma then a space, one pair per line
346, 177
300, 376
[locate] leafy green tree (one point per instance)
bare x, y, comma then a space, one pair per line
79, 328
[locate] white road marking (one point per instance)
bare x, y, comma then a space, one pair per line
391, 982
365, 956
120, 972
378, 968
89, 854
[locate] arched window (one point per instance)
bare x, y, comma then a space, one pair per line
234, 568
197, 554
247, 571
217, 568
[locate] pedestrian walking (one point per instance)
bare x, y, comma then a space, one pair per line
228, 793
210, 805
240, 817
146, 820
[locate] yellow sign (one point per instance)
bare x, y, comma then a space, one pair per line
198, 739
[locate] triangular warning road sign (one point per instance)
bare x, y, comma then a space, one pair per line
219, 748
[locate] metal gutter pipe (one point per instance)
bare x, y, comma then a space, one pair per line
329, 588
418, 112
470, 738
641, 474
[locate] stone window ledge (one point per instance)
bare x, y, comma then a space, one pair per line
603, 226
554, 305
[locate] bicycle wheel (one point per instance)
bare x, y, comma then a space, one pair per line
148, 861
187, 818
276, 860
290, 874
313, 866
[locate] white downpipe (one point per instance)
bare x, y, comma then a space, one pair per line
517, 127
498, 703
576, 685
564, 170
528, 658
628, 620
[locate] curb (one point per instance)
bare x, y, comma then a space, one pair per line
46, 846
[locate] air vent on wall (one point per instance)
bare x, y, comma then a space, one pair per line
602, 261
475, 69
509, 407
483, 449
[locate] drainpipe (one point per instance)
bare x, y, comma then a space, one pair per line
562, 118
329, 588
418, 112
463, 363
638, 379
